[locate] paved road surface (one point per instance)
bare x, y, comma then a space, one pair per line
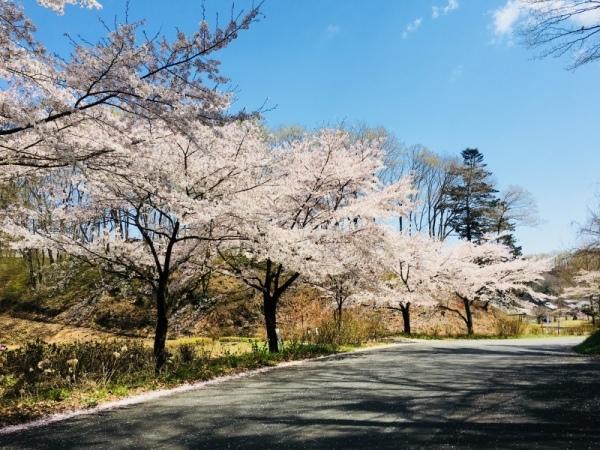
439, 394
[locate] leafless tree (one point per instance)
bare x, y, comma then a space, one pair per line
515, 207
591, 230
432, 176
556, 28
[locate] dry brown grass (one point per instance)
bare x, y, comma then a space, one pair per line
15, 332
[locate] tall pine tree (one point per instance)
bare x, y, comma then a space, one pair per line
471, 198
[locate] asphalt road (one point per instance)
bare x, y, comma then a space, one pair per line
439, 394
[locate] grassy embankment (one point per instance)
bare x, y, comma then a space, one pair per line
591, 346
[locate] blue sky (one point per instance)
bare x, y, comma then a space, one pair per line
447, 83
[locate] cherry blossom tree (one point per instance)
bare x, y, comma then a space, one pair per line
50, 104
483, 273
352, 277
325, 190
586, 285
411, 263
155, 214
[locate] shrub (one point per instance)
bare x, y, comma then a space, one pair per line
187, 352
354, 330
507, 326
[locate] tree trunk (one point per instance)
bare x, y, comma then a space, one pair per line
406, 317
30, 268
338, 313
162, 323
39, 257
270, 310
468, 317
272, 289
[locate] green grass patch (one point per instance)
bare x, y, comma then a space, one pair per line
56, 394
591, 346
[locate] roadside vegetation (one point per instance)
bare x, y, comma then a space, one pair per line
83, 367
39, 378
591, 346
510, 328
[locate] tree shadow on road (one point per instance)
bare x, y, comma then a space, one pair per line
403, 397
